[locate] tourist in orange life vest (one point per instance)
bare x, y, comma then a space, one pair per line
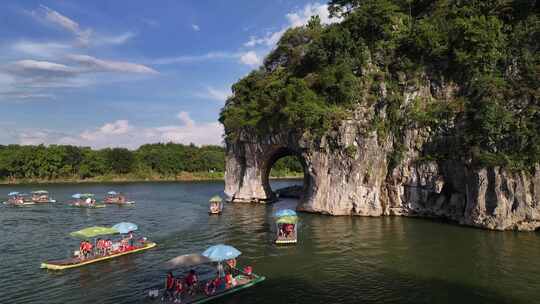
178, 290
108, 246
169, 286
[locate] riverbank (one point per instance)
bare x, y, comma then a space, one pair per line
130, 178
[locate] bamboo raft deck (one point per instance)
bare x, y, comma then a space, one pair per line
242, 282
76, 262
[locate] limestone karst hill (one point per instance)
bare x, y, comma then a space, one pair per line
416, 108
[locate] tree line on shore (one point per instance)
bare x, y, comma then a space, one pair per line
155, 161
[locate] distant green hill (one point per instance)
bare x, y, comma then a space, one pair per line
150, 162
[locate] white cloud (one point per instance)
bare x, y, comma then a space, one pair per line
117, 127
55, 17
195, 27
150, 22
250, 58
186, 119
122, 134
196, 58
114, 39
85, 37
294, 19
100, 65
35, 68
214, 94
41, 49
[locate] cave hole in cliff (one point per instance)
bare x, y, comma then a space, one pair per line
285, 175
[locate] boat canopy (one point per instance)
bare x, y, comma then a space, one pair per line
91, 232
13, 193
188, 260
221, 252
287, 220
112, 193
125, 227
216, 199
285, 212
40, 192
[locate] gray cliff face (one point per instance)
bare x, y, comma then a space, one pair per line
348, 172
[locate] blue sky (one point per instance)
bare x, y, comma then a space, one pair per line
125, 73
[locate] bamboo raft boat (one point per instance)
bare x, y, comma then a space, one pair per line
242, 282
76, 262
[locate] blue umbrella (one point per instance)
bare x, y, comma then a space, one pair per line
125, 227
77, 195
112, 193
219, 253
285, 212
13, 193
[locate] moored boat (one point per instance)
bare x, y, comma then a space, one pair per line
212, 275
42, 197
19, 199
102, 250
286, 227
216, 205
117, 198
85, 200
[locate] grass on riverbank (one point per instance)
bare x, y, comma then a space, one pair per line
183, 176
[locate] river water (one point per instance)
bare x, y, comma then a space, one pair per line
337, 259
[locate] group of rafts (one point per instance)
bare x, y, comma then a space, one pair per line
24, 199
212, 274
85, 200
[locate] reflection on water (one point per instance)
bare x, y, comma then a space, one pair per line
337, 259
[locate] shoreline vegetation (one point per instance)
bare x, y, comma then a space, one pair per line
183, 177
26, 164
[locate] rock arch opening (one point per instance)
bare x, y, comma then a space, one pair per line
285, 162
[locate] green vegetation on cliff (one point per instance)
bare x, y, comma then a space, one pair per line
488, 50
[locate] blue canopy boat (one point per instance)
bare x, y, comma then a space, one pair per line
207, 263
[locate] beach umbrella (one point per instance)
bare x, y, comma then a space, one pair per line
87, 195
219, 253
187, 260
215, 199
112, 193
77, 195
13, 193
125, 227
285, 212
92, 232
287, 220
40, 192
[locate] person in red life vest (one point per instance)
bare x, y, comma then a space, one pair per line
178, 290
124, 244
100, 247
89, 248
81, 250
130, 239
229, 281
212, 285
231, 263
192, 281
169, 287
248, 271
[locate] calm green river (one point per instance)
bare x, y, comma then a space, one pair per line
337, 259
